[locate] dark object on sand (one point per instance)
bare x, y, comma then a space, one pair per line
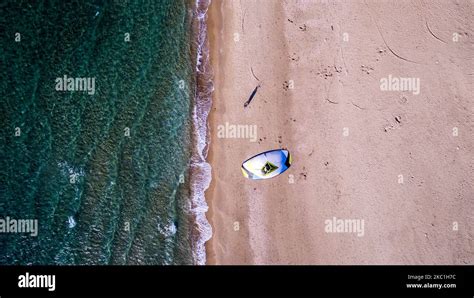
251, 96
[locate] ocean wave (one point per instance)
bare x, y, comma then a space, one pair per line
200, 169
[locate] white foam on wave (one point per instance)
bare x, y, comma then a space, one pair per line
201, 170
71, 222
167, 230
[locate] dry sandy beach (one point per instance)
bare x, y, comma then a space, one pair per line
398, 159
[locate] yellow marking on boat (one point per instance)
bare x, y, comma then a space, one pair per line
245, 173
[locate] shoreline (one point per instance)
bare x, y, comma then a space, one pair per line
200, 169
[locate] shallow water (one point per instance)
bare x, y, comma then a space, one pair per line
101, 173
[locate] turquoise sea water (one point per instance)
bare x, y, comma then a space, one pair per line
106, 175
